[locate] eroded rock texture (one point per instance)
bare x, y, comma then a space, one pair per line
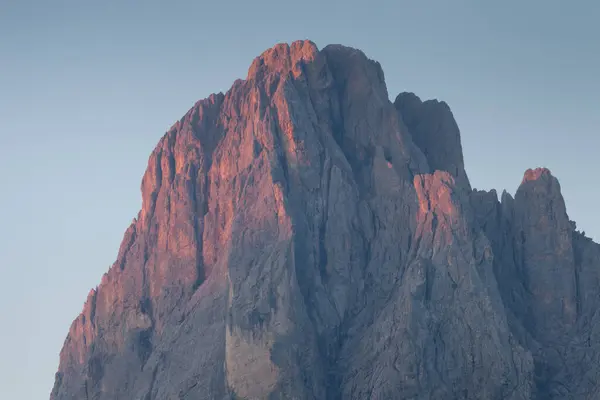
301, 237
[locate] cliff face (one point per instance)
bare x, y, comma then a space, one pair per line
303, 237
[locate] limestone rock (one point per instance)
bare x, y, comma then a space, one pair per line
435, 132
301, 237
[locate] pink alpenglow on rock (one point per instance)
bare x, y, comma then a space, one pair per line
302, 237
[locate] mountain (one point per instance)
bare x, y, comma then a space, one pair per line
302, 237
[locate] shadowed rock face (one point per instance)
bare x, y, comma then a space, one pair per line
302, 237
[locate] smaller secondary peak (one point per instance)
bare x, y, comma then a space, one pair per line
405, 99
541, 182
408, 99
505, 196
536, 174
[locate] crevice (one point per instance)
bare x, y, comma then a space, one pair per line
158, 182
198, 207
144, 346
146, 305
387, 155
170, 156
434, 223
334, 373
280, 150
152, 381
429, 281
323, 229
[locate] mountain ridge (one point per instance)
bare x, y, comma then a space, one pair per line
301, 234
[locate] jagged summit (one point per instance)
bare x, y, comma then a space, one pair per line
303, 237
537, 173
283, 58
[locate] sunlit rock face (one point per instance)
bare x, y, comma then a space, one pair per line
302, 237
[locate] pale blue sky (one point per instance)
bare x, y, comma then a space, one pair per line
87, 88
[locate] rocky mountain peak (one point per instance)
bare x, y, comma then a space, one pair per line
537, 174
303, 237
282, 59
435, 132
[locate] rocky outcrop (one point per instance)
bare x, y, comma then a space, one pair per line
544, 248
303, 237
435, 132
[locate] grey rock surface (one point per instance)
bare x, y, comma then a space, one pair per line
302, 237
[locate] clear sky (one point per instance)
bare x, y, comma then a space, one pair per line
88, 87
